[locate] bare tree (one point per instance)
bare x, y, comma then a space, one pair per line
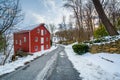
113, 10
10, 16
52, 30
76, 7
109, 27
88, 18
8, 45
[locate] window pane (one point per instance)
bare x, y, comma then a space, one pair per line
16, 42
24, 39
47, 39
45, 31
36, 39
47, 46
20, 42
42, 40
38, 30
36, 48
42, 33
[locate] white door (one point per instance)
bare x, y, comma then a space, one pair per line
42, 47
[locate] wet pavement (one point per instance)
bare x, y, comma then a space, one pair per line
64, 69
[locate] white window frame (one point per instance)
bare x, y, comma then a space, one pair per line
42, 40
16, 41
42, 47
36, 48
45, 31
25, 40
42, 32
47, 46
36, 39
20, 42
38, 30
46, 38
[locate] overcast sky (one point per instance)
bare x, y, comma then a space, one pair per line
39, 11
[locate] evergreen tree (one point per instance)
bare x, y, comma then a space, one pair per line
100, 31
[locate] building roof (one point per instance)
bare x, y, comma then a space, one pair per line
29, 28
23, 31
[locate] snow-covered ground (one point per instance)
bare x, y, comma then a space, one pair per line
101, 66
10, 67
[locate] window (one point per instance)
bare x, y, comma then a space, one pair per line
47, 39
36, 39
24, 39
42, 32
46, 46
45, 31
20, 42
16, 41
36, 48
42, 47
42, 40
38, 30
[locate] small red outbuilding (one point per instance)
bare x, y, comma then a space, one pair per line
32, 40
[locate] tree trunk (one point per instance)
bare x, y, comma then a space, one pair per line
109, 27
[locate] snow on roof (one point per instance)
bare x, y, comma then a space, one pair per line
31, 27
28, 28
23, 31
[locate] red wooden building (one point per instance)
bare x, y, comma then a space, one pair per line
33, 39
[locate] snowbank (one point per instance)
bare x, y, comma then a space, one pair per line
100, 66
104, 40
10, 67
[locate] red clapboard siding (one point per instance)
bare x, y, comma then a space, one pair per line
33, 39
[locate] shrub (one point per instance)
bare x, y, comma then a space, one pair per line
99, 40
118, 24
80, 48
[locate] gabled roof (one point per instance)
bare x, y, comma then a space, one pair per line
23, 31
29, 28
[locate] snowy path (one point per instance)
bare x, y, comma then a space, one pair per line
64, 69
31, 70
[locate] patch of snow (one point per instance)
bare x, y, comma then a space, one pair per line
106, 39
10, 67
2, 57
93, 66
100, 59
55, 39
